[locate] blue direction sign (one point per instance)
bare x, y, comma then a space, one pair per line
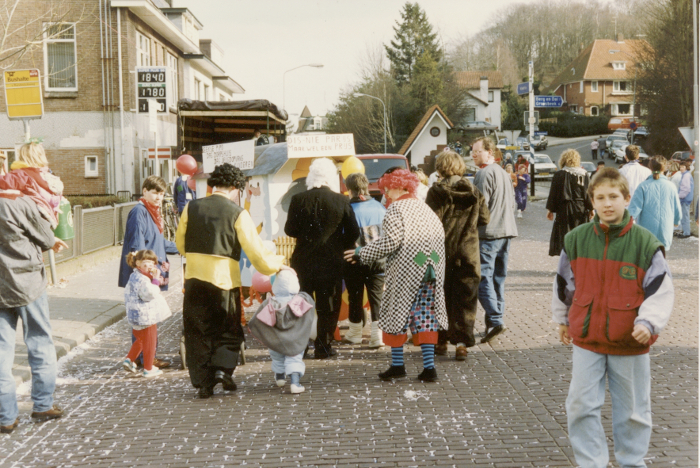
548, 101
540, 133
524, 88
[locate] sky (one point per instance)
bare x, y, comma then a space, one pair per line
262, 39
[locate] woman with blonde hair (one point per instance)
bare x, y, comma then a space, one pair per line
461, 208
568, 199
30, 175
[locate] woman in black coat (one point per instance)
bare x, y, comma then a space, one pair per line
461, 208
568, 199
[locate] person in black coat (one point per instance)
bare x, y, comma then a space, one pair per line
324, 226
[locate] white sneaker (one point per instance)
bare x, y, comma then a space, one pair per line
154, 372
280, 381
129, 366
520, 214
297, 388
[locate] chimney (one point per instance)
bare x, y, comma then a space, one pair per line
620, 37
484, 88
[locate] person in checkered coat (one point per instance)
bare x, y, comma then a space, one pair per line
413, 241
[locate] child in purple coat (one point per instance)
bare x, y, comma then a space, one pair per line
521, 189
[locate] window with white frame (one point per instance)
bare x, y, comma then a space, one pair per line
622, 109
573, 108
60, 56
471, 114
143, 50
618, 65
594, 86
91, 169
622, 86
172, 65
490, 96
317, 123
594, 111
206, 93
197, 85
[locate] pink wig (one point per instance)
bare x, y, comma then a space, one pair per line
399, 179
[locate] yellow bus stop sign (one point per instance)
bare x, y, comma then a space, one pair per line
23, 94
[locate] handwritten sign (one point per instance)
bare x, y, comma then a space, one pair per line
240, 154
314, 146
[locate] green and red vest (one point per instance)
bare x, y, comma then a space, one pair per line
609, 264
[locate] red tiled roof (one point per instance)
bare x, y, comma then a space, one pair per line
416, 131
595, 62
471, 79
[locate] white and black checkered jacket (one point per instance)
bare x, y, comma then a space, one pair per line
410, 228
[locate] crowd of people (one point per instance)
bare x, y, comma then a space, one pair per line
425, 260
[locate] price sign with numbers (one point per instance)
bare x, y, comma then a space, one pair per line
152, 83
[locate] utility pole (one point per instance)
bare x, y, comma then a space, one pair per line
696, 97
531, 120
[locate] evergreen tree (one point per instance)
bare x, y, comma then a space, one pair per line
413, 37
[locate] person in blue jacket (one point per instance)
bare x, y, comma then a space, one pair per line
655, 204
144, 231
182, 193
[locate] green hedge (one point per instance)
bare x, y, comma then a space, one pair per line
94, 201
573, 125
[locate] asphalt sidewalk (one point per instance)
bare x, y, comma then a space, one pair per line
85, 300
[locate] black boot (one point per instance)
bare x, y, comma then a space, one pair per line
205, 392
428, 375
226, 380
393, 372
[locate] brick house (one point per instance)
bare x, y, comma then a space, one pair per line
601, 79
95, 139
484, 96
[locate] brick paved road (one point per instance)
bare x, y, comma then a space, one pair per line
504, 407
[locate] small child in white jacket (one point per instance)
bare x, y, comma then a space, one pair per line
283, 323
145, 307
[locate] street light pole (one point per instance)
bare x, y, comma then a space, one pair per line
384, 106
284, 77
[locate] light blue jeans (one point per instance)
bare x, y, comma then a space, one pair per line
282, 364
685, 220
630, 387
42, 357
492, 288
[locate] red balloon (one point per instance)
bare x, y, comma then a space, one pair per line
192, 184
186, 164
261, 283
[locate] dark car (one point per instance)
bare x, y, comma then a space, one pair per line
375, 166
589, 167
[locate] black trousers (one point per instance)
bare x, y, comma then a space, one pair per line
213, 331
327, 290
357, 277
461, 297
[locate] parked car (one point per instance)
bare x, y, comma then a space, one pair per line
620, 122
609, 143
539, 142
589, 167
375, 166
544, 167
522, 142
620, 154
679, 156
481, 123
641, 132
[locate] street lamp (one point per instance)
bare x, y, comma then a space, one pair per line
374, 97
284, 77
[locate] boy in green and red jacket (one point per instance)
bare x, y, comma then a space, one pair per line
612, 296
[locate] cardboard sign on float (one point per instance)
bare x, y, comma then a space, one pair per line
279, 172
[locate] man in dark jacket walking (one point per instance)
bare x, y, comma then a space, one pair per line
461, 208
324, 226
25, 234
